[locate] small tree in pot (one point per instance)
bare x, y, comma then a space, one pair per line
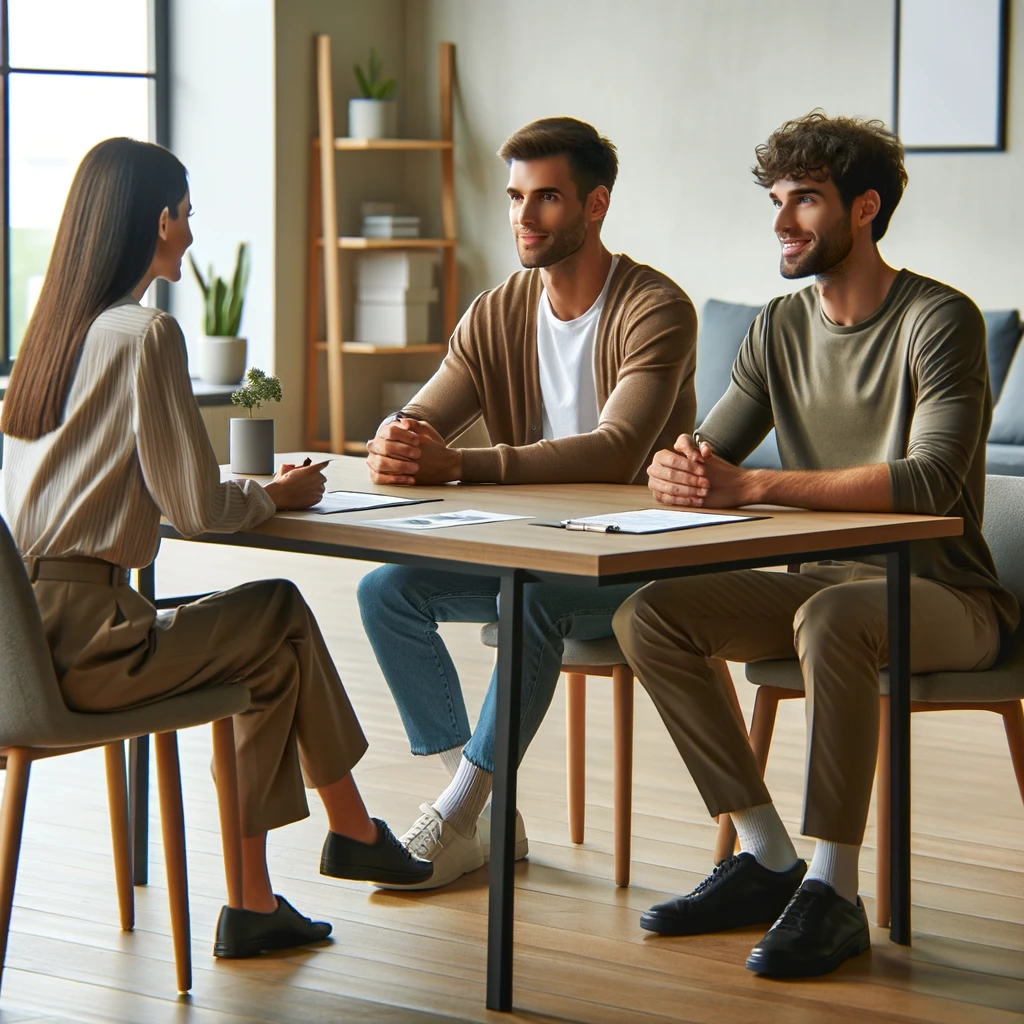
372, 114
252, 440
222, 354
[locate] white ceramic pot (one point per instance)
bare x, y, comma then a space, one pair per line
372, 119
251, 446
222, 360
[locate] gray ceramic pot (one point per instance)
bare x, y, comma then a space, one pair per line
252, 446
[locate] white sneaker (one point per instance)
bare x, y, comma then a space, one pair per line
434, 839
483, 828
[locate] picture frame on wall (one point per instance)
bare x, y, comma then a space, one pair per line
951, 75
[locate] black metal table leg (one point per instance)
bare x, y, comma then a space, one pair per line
138, 768
501, 905
898, 571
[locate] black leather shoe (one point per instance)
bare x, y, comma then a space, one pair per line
738, 892
386, 860
816, 932
243, 933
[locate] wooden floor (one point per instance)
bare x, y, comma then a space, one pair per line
580, 954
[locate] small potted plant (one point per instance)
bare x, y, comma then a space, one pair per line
372, 115
222, 354
251, 441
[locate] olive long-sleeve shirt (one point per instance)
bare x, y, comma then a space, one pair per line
907, 387
644, 360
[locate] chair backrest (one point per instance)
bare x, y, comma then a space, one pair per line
32, 710
1004, 530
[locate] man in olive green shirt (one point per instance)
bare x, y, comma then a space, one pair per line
876, 382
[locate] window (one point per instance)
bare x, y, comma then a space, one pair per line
74, 72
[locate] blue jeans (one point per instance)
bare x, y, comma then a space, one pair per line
401, 607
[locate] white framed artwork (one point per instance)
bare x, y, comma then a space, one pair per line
951, 74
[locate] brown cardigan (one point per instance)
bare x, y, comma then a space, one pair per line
644, 360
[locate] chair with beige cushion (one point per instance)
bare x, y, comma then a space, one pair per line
35, 724
582, 658
999, 689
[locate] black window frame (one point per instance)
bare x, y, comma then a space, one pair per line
160, 119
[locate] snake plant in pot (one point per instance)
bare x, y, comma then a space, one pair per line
222, 353
252, 438
372, 114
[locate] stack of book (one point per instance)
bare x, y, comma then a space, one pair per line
391, 226
394, 292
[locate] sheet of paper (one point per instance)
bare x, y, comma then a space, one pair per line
656, 520
439, 520
359, 501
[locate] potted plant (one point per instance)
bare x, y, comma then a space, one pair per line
222, 354
251, 441
372, 115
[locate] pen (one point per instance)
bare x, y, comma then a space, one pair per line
307, 461
569, 524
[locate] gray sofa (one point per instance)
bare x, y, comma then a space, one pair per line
723, 326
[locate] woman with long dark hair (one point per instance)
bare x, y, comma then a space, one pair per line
102, 436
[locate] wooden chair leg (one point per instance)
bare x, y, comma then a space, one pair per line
12, 818
576, 751
172, 820
622, 718
226, 770
762, 725
1013, 723
120, 833
883, 903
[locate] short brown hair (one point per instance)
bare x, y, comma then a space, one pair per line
592, 158
856, 154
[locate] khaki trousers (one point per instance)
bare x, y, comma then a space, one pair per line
112, 650
832, 616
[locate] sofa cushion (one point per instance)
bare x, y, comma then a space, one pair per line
1004, 459
1008, 416
1003, 330
723, 326
765, 455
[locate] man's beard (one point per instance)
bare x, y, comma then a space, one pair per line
558, 245
823, 255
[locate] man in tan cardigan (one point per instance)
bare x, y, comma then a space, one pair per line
581, 367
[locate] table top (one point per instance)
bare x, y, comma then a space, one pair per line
783, 533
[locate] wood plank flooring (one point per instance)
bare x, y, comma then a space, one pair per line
580, 954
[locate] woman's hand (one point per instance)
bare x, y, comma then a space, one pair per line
297, 487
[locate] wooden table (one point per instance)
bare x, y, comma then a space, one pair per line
518, 552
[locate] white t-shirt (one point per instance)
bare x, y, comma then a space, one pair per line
565, 355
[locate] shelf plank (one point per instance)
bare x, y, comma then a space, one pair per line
406, 145
368, 349
358, 242
354, 448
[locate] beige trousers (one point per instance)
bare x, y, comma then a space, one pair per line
832, 616
112, 650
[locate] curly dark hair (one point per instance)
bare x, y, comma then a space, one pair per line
592, 158
856, 154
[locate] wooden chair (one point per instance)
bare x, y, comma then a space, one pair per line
999, 689
35, 724
582, 658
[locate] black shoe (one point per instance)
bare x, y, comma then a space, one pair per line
242, 933
386, 860
738, 892
816, 932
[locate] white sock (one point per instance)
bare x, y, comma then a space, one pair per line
836, 864
762, 834
464, 799
451, 759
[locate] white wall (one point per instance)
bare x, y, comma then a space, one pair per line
686, 89
223, 130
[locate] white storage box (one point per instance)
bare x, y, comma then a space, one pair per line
395, 270
392, 323
400, 296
